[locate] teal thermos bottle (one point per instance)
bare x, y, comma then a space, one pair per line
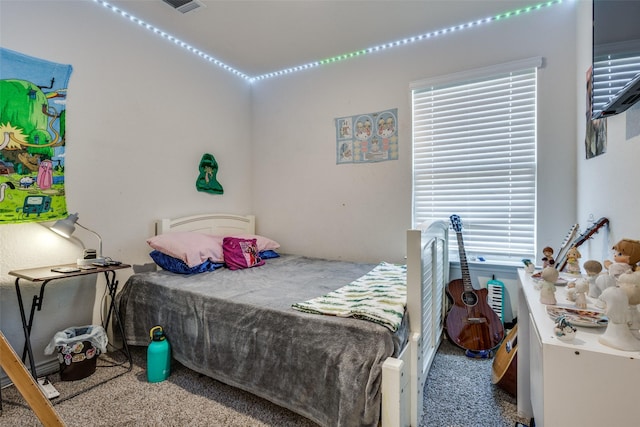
158, 356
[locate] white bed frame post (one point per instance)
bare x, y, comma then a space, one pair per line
395, 388
403, 378
415, 302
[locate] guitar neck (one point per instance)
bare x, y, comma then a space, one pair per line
565, 244
464, 266
583, 238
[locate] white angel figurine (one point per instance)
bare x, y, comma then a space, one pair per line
582, 287
630, 284
547, 292
593, 269
617, 335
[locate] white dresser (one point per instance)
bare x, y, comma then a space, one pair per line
582, 383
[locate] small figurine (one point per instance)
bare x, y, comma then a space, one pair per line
616, 269
626, 256
571, 291
563, 329
630, 284
547, 292
593, 268
604, 281
582, 287
529, 267
547, 259
617, 335
573, 266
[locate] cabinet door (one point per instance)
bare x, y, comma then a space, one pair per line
589, 388
524, 386
536, 373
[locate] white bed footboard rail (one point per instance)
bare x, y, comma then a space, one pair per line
403, 378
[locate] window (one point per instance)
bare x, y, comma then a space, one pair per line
474, 155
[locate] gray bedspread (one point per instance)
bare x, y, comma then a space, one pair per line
239, 328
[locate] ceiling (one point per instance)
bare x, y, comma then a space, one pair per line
261, 36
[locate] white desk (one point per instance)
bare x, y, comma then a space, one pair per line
581, 383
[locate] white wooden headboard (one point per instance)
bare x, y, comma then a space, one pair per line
218, 224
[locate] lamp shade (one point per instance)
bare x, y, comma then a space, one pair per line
65, 227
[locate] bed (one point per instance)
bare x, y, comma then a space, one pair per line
239, 327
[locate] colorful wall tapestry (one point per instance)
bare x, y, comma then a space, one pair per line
367, 137
33, 95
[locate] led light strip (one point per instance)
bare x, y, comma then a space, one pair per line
338, 58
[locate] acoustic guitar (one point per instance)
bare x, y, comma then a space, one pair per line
504, 372
471, 323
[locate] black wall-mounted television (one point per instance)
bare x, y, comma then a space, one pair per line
616, 56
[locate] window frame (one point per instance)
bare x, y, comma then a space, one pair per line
475, 228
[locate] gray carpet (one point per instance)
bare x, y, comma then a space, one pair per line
458, 393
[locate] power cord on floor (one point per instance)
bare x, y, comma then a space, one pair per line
103, 301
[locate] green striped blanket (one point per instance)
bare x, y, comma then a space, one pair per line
379, 296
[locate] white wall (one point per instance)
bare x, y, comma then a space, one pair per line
140, 115
606, 189
360, 211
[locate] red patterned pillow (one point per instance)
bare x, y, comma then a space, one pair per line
240, 253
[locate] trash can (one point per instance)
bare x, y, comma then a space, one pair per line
78, 350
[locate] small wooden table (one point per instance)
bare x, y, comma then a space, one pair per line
44, 275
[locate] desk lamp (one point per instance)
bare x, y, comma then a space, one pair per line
66, 227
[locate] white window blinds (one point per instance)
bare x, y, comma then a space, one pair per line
610, 74
474, 155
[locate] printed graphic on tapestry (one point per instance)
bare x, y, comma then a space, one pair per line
33, 94
367, 138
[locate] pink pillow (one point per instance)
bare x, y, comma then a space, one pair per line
264, 243
190, 247
240, 253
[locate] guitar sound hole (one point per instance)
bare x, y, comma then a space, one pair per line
469, 298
